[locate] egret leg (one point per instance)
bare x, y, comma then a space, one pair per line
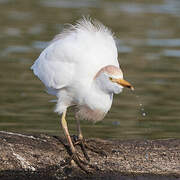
80, 135
81, 140
84, 145
66, 132
75, 155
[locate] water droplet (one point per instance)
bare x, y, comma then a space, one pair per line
141, 106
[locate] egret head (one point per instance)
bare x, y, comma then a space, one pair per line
110, 80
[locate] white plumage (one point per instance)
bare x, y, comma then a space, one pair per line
68, 66
80, 67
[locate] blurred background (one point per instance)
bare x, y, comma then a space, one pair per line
148, 40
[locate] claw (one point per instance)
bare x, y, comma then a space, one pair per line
81, 163
84, 145
81, 143
72, 150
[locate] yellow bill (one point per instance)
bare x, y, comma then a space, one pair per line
123, 83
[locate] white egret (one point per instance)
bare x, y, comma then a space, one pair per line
80, 67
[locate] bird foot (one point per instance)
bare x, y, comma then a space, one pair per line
81, 143
84, 145
77, 158
82, 164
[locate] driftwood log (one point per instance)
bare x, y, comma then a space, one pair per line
45, 157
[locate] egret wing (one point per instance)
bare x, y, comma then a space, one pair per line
52, 70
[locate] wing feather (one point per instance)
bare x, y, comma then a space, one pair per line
52, 70
76, 55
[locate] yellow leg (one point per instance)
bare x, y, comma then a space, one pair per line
75, 155
66, 132
80, 136
81, 140
84, 145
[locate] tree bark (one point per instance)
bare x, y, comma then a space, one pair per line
45, 157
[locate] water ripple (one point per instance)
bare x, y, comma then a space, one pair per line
171, 53
40, 44
164, 42
122, 48
168, 7
70, 4
16, 49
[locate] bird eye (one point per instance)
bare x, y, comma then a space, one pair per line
110, 78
